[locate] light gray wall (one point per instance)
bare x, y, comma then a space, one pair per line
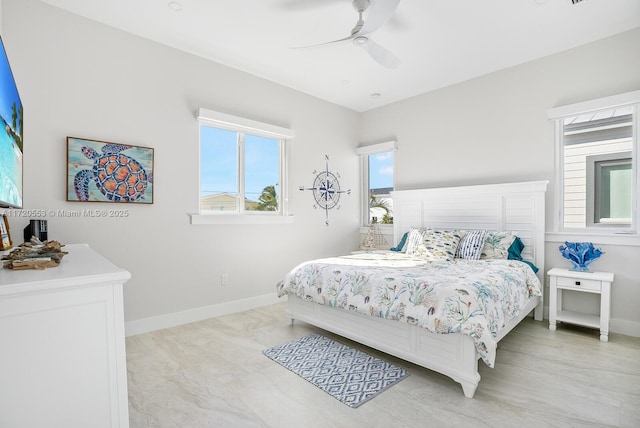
80, 78
495, 129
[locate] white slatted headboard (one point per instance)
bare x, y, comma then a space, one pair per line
516, 207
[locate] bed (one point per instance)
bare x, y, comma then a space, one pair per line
442, 313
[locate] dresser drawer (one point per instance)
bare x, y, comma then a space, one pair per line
579, 284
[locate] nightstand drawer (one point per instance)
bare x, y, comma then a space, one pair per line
579, 284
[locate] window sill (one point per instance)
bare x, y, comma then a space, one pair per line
386, 229
629, 239
240, 219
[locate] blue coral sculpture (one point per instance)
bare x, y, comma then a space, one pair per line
580, 254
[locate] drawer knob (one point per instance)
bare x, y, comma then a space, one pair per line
577, 282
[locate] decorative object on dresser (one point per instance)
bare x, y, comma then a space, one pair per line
35, 255
586, 282
38, 229
580, 254
63, 361
5, 234
347, 374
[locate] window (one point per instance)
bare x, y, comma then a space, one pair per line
242, 167
597, 172
377, 182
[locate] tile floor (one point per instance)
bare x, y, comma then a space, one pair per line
213, 374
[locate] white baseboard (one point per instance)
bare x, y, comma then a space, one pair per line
628, 328
173, 319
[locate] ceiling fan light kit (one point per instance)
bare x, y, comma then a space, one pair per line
360, 40
175, 6
378, 13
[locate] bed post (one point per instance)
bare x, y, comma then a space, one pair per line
539, 236
469, 388
468, 375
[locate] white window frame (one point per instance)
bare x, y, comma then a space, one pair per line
239, 124
364, 152
606, 235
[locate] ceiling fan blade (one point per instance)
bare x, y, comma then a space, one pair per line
381, 55
378, 14
325, 43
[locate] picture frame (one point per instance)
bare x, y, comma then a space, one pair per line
5, 235
101, 171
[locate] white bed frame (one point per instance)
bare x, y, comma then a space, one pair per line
517, 207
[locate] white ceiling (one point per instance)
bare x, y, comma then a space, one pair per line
439, 42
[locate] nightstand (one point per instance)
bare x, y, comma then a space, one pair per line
587, 282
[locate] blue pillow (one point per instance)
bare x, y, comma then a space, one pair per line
515, 253
401, 243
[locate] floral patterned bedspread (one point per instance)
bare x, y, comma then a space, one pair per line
472, 297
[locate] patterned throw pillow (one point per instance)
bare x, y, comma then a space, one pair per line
471, 244
438, 245
497, 244
414, 239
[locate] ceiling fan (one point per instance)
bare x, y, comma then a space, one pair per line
378, 13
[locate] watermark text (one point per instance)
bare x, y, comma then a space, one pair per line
65, 213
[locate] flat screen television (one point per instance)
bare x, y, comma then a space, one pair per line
11, 137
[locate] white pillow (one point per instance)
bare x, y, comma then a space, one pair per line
414, 239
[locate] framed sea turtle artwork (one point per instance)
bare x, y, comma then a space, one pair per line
99, 171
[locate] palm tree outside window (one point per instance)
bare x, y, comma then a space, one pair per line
377, 166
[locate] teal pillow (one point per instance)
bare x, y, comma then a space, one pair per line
401, 243
515, 250
515, 253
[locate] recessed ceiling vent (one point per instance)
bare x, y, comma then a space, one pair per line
576, 1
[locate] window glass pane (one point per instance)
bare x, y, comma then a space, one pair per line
261, 172
614, 204
595, 135
218, 169
380, 186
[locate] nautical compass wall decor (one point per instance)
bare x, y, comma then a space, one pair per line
326, 190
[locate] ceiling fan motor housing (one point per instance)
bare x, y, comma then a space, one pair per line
360, 5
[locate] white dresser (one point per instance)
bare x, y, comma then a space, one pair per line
62, 347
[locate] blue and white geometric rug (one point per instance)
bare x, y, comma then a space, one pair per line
347, 374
